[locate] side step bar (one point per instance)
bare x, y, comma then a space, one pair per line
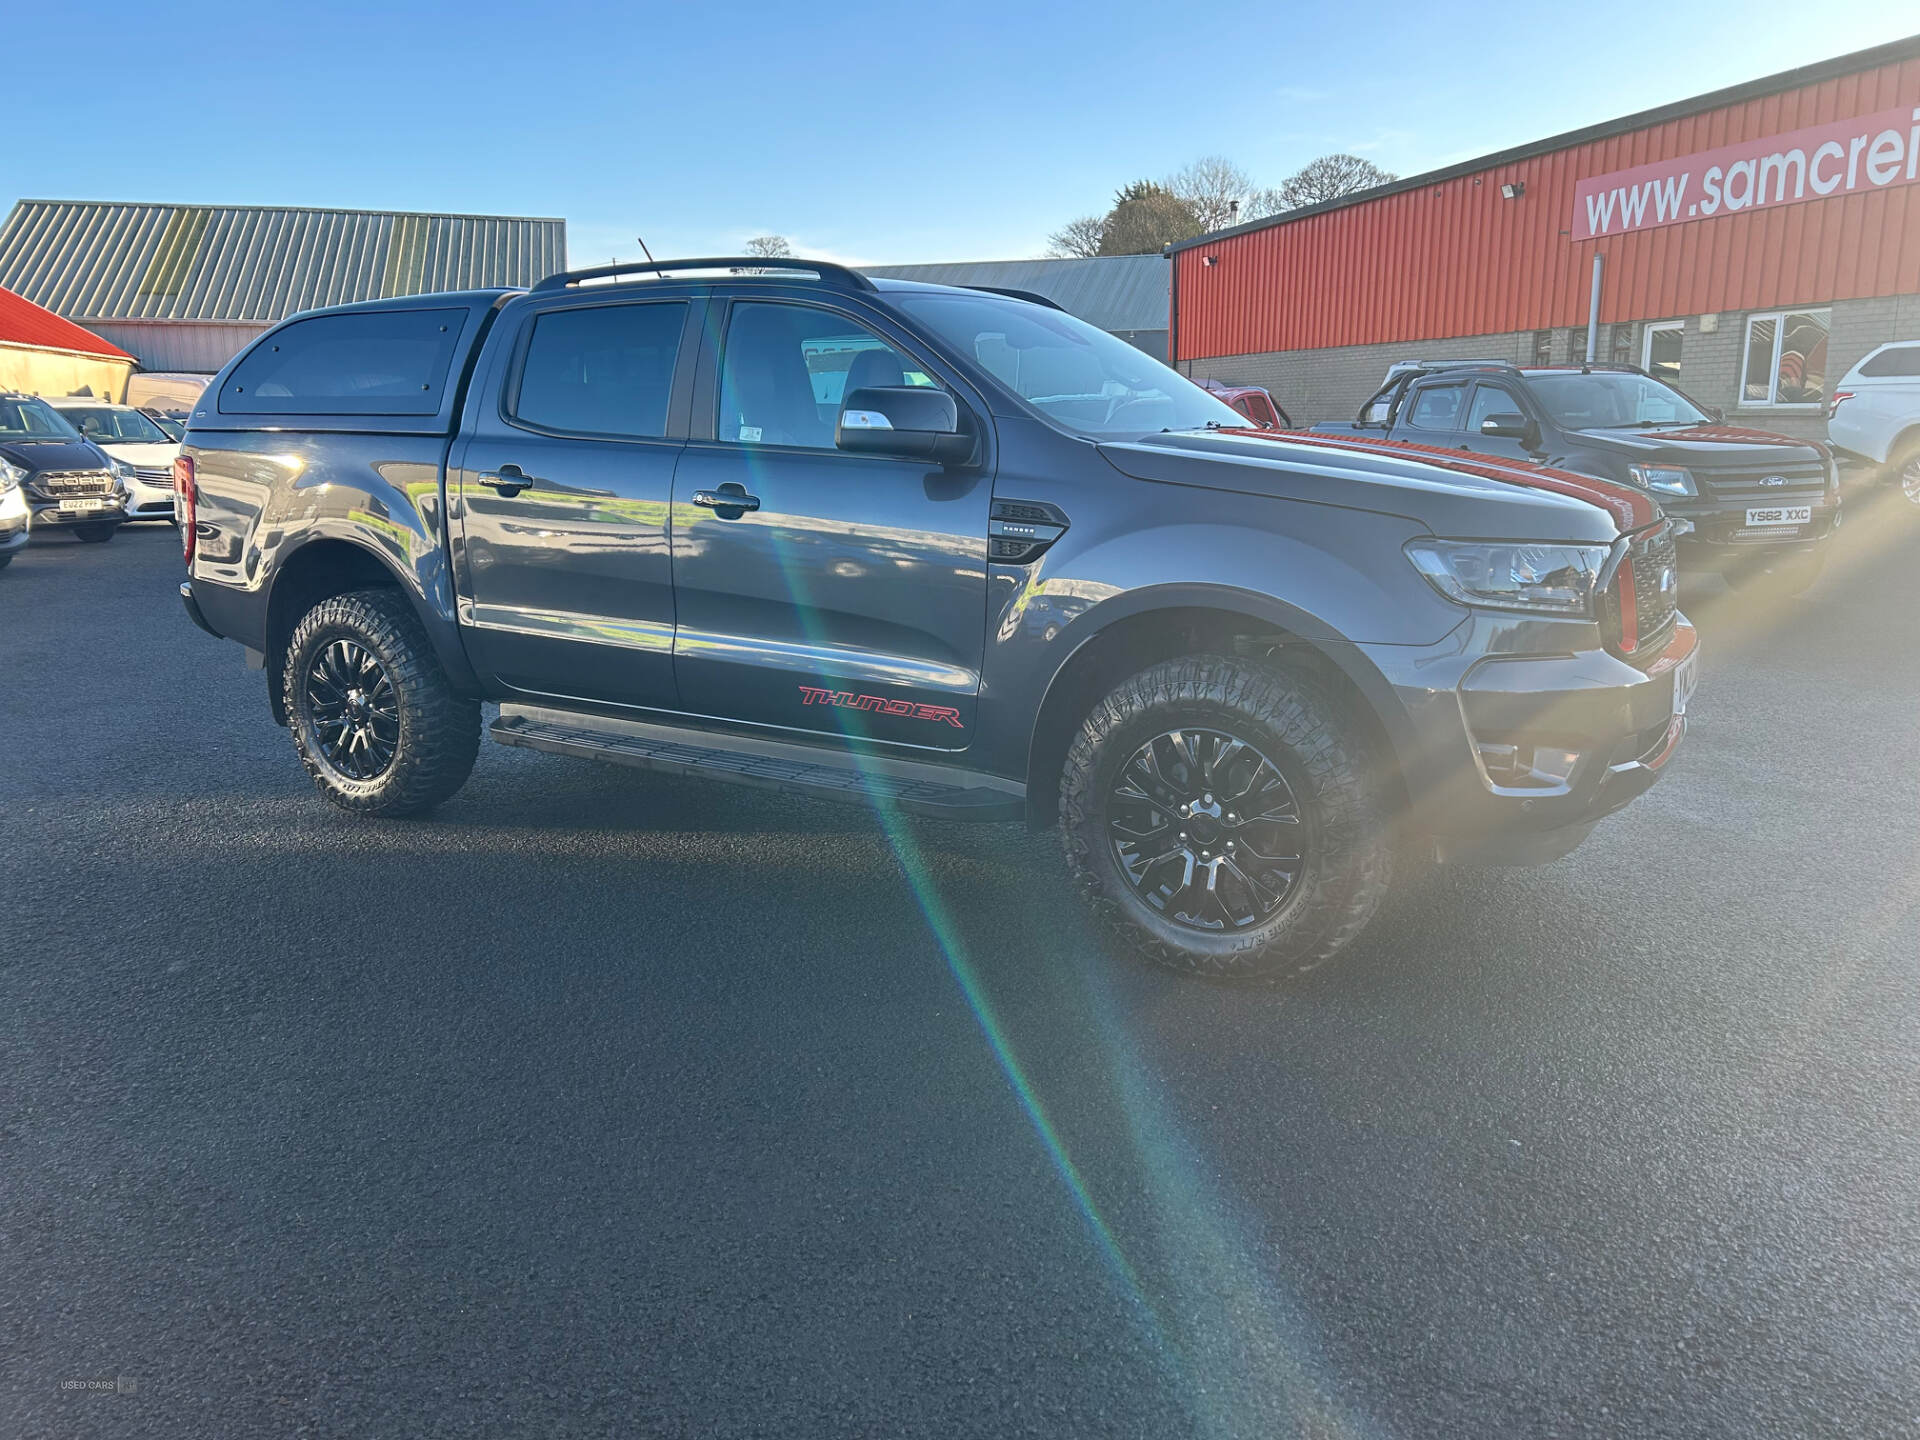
939, 791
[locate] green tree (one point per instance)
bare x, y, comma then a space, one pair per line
1146, 217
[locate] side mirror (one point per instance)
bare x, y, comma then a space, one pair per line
1715, 414
1507, 425
911, 422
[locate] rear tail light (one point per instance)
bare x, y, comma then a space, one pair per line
185, 504
1834, 404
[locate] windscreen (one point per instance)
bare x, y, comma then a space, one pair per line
22, 418
1080, 377
114, 426
1612, 400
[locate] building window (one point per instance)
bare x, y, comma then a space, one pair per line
1543, 347
1660, 350
1577, 346
1620, 339
1786, 358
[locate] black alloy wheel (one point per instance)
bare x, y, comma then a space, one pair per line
353, 710
375, 720
1221, 815
1206, 830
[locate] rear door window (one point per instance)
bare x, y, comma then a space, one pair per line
369, 362
601, 370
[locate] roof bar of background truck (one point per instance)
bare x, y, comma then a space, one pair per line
824, 270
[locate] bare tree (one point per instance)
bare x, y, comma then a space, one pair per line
1213, 188
1077, 238
773, 247
1145, 218
1329, 178
1261, 203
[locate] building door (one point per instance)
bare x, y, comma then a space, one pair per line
1660, 350
840, 593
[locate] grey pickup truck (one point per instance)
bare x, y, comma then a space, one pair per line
932, 550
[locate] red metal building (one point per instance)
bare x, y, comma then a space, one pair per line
42, 354
1780, 216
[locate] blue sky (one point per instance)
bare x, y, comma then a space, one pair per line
874, 132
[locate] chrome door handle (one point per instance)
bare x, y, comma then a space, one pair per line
508, 480
728, 498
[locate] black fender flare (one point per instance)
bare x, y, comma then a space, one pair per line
1265, 610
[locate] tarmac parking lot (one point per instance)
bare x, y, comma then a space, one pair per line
601, 1104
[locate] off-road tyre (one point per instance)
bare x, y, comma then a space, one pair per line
438, 731
1307, 731
95, 534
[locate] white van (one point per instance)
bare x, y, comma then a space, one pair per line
1875, 414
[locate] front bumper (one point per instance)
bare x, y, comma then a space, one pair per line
47, 512
1721, 537
1524, 753
15, 521
149, 502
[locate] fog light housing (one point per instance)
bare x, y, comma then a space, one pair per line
1528, 767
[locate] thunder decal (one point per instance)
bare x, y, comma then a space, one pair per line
813, 695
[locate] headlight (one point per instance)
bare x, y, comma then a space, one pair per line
1664, 479
1511, 575
10, 476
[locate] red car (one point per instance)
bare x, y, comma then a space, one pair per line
1253, 402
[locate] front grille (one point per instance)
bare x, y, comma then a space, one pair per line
1655, 561
74, 482
160, 476
1651, 569
1805, 484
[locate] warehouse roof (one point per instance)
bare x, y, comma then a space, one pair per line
1849, 64
24, 323
106, 260
1115, 292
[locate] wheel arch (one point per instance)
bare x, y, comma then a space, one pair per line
1130, 632
329, 565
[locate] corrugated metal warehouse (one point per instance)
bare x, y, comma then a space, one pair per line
1754, 243
1125, 295
183, 287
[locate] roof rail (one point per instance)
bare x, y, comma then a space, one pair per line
824, 270
1465, 364
1032, 297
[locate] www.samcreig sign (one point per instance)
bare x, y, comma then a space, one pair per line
1873, 152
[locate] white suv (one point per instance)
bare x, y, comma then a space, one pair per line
1875, 413
140, 451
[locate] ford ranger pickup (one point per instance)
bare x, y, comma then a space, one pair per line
1751, 506
931, 550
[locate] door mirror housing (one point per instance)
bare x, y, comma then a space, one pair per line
1507, 425
910, 422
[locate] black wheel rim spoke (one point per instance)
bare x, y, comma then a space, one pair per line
1206, 829
353, 711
